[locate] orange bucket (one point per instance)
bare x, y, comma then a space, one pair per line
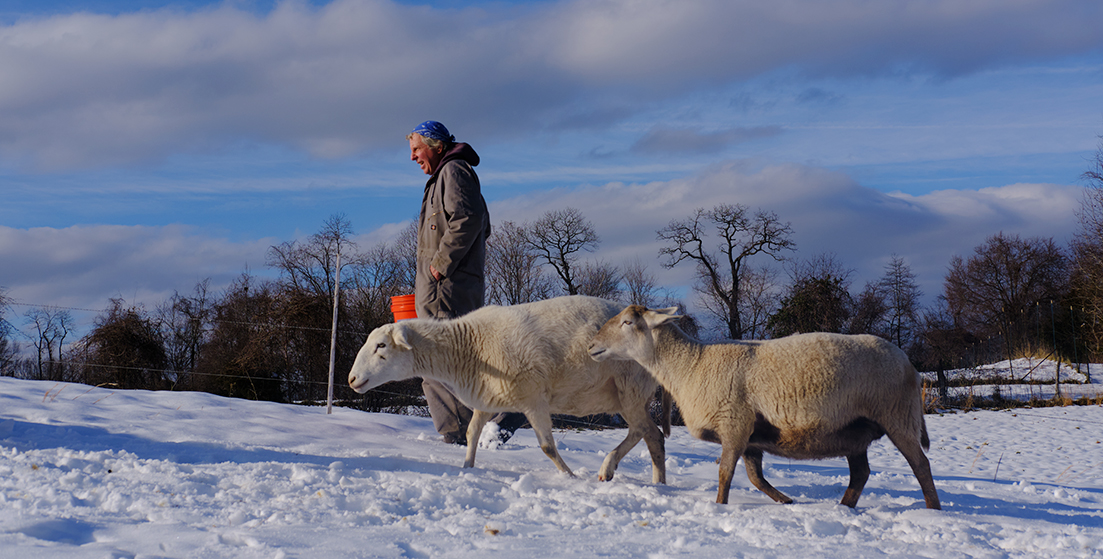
403, 307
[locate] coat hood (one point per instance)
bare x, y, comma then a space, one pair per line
461, 151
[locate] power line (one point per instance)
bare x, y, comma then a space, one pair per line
562, 418
210, 320
56, 307
167, 372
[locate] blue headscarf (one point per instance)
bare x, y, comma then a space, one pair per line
435, 130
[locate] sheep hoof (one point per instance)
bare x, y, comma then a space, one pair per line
780, 498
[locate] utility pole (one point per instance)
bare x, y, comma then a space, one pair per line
333, 330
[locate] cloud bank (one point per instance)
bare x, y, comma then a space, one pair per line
257, 122
828, 212
86, 90
85, 266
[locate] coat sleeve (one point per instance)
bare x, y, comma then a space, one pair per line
465, 216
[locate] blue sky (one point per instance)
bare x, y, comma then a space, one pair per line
145, 146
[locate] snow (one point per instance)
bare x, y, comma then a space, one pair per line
103, 473
1026, 378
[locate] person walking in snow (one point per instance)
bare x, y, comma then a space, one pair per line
453, 226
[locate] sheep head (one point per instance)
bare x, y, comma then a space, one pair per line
387, 356
627, 336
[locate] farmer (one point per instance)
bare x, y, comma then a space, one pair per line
451, 253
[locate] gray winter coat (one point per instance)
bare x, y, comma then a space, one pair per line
452, 230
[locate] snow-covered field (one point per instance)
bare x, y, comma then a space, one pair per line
1028, 379
91, 472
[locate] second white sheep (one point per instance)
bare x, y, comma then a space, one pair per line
807, 396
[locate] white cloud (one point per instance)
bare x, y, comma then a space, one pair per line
685, 140
828, 213
83, 90
84, 266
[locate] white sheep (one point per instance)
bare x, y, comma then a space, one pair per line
807, 396
530, 358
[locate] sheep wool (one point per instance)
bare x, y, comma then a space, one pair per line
805, 396
531, 358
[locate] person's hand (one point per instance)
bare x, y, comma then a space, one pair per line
436, 275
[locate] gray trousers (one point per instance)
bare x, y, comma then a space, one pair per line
451, 417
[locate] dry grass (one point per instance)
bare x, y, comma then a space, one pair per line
931, 400
1062, 401
1034, 352
967, 402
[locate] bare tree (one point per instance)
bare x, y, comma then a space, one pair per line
943, 344
721, 275
902, 297
599, 279
1087, 259
1094, 174
382, 272
185, 323
640, 287
405, 248
310, 267
250, 351
8, 347
998, 290
817, 300
513, 271
557, 237
305, 300
51, 327
867, 315
760, 299
125, 348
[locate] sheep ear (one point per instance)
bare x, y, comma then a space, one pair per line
658, 317
400, 334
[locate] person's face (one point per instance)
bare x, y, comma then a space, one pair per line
427, 158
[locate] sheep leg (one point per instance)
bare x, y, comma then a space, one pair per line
752, 459
640, 426
921, 467
728, 457
656, 446
859, 474
474, 431
613, 459
542, 425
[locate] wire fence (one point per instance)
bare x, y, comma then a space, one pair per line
983, 394
211, 320
596, 421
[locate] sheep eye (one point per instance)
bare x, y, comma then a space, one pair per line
380, 345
